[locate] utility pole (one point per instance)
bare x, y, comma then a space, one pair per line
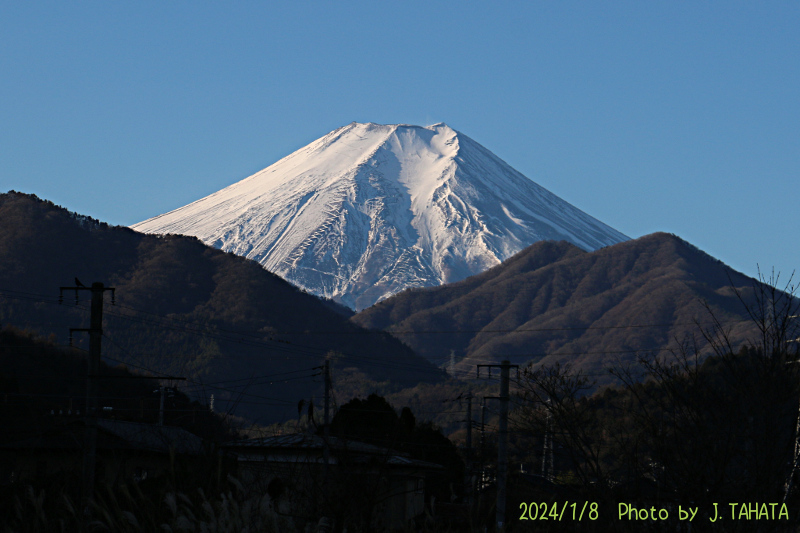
547, 451
326, 433
95, 335
483, 441
162, 390
502, 448
327, 427
502, 442
793, 472
161, 405
796, 458
468, 473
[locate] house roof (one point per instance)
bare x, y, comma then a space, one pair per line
305, 444
116, 434
152, 437
309, 442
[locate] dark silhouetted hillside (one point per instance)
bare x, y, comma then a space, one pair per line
43, 385
553, 301
183, 308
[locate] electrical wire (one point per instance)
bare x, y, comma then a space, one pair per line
238, 336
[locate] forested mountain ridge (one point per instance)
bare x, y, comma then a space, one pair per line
554, 302
183, 308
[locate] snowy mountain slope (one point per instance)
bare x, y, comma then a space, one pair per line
369, 210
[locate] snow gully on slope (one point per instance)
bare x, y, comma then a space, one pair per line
369, 210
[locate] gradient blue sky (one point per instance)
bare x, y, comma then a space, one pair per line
651, 116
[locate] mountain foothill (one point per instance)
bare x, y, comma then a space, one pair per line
185, 309
554, 302
255, 341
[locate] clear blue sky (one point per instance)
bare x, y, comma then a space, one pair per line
651, 116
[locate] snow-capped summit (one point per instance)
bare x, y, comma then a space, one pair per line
369, 210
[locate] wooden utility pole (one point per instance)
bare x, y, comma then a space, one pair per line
547, 451
161, 405
502, 448
326, 449
468, 475
502, 442
327, 426
483, 442
95, 336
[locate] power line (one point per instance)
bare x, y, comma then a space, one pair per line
362, 330
199, 383
286, 346
236, 336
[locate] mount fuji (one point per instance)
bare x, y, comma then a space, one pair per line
369, 210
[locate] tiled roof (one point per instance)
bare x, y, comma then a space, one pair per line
116, 434
305, 442
310, 442
152, 437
